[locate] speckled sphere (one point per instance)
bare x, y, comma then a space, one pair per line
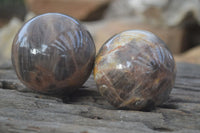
135, 70
53, 53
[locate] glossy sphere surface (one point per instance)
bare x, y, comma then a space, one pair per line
53, 53
135, 70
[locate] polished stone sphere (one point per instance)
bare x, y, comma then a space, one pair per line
53, 53
135, 70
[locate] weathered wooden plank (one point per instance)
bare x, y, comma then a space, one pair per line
23, 110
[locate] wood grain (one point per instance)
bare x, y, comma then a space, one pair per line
23, 110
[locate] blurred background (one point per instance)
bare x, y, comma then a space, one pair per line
177, 22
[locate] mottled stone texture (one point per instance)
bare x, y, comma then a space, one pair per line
135, 70
53, 53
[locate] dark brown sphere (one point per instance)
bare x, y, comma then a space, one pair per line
135, 70
53, 53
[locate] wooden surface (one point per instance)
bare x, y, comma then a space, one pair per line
22, 110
